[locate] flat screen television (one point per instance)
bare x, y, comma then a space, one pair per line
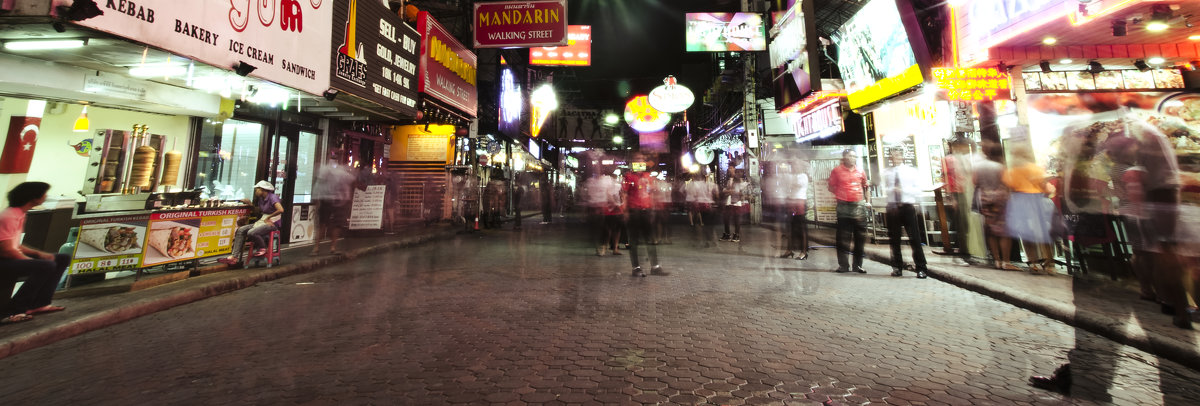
873, 46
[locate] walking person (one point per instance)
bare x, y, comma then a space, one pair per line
797, 208
517, 193
736, 192
1030, 212
847, 183
638, 189
993, 203
904, 187
42, 269
332, 194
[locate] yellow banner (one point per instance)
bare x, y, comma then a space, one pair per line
887, 87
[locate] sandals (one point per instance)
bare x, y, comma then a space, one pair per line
16, 318
44, 309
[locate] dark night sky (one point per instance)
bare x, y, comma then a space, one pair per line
641, 41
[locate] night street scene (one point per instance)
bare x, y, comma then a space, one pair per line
595, 202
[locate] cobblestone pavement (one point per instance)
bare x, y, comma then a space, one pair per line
537, 318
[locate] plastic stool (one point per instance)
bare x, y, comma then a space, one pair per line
271, 258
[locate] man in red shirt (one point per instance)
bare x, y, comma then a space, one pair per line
43, 269
638, 189
847, 183
957, 169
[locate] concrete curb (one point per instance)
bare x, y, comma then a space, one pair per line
149, 305
1093, 322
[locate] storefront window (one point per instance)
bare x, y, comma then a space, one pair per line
228, 159
305, 166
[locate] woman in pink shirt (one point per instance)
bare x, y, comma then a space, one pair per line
42, 269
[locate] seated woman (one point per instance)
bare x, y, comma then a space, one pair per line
268, 203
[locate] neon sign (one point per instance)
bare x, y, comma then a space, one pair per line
972, 84
510, 97
643, 117
821, 122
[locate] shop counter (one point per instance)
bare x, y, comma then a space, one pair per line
132, 240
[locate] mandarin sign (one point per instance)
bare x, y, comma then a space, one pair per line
972, 84
447, 68
520, 24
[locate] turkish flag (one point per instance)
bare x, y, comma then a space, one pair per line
18, 147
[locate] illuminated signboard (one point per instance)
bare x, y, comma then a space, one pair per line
577, 52
375, 55
874, 55
725, 32
448, 69
511, 103
535, 149
972, 84
821, 122
520, 24
643, 117
542, 101
790, 59
981, 24
671, 97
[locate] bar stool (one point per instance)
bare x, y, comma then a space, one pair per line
270, 258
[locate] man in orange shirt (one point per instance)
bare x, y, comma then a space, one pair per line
847, 183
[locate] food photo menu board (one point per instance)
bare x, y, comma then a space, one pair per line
123, 243
1106, 80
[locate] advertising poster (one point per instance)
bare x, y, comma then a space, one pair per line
790, 60
520, 24
577, 52
366, 211
725, 32
448, 69
261, 34
109, 244
179, 236
375, 55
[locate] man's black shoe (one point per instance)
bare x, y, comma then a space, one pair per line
841, 270
725, 237
736, 238
859, 269
657, 270
921, 274
1059, 382
897, 273
637, 272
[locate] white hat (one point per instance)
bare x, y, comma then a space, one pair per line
264, 185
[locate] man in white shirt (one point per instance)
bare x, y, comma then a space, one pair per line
903, 186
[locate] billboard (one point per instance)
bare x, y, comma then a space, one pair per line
520, 24
874, 54
725, 32
375, 55
512, 102
577, 52
790, 60
448, 69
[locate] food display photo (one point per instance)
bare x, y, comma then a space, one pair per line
169, 241
110, 239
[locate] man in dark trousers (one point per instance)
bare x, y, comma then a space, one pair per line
42, 269
847, 183
903, 185
639, 197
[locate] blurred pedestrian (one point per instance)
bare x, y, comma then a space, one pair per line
904, 186
518, 192
333, 193
1030, 212
847, 183
736, 202
993, 201
1128, 179
957, 170
638, 189
797, 209
662, 210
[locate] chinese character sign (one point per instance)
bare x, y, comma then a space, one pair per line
972, 84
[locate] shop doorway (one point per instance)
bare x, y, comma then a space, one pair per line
292, 168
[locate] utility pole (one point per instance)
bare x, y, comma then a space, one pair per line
750, 121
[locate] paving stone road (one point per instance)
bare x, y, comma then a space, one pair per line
537, 318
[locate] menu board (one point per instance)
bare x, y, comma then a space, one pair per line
366, 211
907, 143
1106, 80
427, 147
130, 242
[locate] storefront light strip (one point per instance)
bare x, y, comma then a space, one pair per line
43, 45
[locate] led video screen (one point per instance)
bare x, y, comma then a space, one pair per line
725, 32
577, 52
874, 46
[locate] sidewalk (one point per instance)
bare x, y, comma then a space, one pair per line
91, 307
1092, 302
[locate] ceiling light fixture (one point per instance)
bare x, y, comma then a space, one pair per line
1194, 37
1156, 26
44, 45
1049, 40
1065, 61
164, 70
1156, 60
